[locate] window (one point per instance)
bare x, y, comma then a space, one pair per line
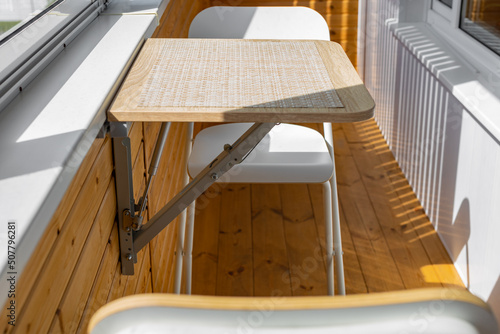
472, 27
16, 14
28, 24
481, 20
32, 31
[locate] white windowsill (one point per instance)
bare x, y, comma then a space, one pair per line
481, 97
46, 131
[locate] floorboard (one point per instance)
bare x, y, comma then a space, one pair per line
268, 240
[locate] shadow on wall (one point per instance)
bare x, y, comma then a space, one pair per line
494, 302
459, 231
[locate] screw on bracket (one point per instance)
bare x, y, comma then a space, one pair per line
128, 220
129, 257
214, 176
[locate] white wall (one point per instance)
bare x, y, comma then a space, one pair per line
451, 159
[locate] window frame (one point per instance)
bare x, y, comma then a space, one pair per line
30, 49
446, 23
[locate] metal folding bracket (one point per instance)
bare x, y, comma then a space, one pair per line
133, 235
124, 196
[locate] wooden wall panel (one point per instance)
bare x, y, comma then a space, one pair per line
36, 262
103, 280
73, 303
165, 187
47, 291
75, 268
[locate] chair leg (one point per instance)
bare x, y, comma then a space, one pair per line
337, 242
181, 229
179, 253
188, 254
327, 203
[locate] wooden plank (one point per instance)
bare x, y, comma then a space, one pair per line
169, 268
270, 260
165, 242
171, 230
151, 131
35, 264
166, 167
135, 135
70, 310
139, 173
103, 280
181, 18
307, 268
206, 242
134, 280
377, 264
158, 33
235, 268
169, 19
118, 284
51, 282
342, 21
354, 277
162, 190
149, 286
421, 239
206, 235
409, 256
354, 280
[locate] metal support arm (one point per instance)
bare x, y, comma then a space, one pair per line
133, 235
232, 155
125, 195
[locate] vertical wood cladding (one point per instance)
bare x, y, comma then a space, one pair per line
75, 268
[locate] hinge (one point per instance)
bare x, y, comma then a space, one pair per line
131, 222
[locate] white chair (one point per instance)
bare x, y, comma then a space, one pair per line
289, 153
411, 311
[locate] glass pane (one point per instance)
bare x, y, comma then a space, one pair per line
15, 13
27, 25
447, 2
481, 20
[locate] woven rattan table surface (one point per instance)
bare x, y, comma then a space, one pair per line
241, 80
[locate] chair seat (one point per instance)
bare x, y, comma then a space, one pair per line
289, 153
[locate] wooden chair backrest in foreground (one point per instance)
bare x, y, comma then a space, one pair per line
439, 310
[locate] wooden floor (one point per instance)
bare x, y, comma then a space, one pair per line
265, 240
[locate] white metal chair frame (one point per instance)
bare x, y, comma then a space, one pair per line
266, 23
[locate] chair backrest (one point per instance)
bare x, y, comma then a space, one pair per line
412, 311
259, 23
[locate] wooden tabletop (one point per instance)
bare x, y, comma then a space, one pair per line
223, 80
